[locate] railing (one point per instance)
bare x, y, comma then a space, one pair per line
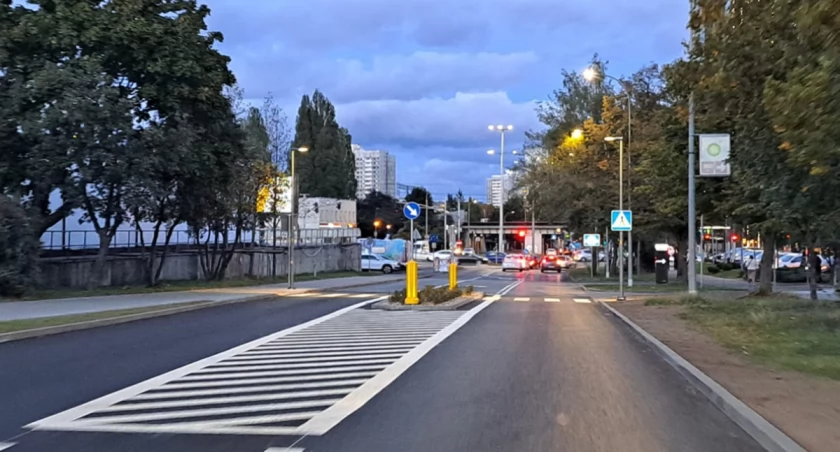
130, 239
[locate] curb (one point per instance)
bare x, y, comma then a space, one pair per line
86, 325
79, 326
385, 305
762, 431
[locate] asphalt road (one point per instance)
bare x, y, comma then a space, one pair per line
537, 369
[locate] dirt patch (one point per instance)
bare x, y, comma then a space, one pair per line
806, 408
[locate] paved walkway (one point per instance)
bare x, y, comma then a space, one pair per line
19, 310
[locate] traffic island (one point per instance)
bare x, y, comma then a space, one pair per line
431, 298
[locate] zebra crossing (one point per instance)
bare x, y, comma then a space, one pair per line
545, 300
299, 381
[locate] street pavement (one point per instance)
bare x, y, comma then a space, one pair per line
19, 310
533, 367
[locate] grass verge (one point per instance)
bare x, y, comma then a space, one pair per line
654, 288
583, 275
30, 324
782, 332
178, 286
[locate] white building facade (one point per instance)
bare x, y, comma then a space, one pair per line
494, 189
375, 171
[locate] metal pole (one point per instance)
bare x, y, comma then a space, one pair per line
703, 249
606, 251
458, 227
445, 227
427, 220
501, 246
290, 247
629, 197
411, 241
533, 227
620, 207
692, 214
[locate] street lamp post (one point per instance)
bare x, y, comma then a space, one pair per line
591, 74
292, 213
376, 224
501, 129
620, 207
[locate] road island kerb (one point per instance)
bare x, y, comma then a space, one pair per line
766, 434
451, 305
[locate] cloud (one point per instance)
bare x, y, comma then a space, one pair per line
401, 77
459, 121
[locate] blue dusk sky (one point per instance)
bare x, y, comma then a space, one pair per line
422, 79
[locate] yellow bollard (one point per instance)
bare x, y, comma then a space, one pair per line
411, 283
453, 276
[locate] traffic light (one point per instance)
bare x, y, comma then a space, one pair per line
707, 237
734, 237
521, 234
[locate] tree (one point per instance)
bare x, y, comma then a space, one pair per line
277, 130
18, 249
378, 206
328, 169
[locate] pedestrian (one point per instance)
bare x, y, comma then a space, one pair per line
752, 269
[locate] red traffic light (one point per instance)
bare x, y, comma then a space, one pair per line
707, 236
734, 237
521, 233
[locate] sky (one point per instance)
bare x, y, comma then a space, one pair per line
422, 79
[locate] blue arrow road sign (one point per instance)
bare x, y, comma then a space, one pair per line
621, 220
411, 210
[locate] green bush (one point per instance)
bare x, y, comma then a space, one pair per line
429, 295
18, 250
469, 290
712, 270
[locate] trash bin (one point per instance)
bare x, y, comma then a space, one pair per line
662, 267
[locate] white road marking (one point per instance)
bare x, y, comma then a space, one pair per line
329, 418
552, 300
360, 295
582, 300
521, 299
284, 449
298, 381
4, 446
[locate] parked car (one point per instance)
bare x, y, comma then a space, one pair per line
515, 262
372, 262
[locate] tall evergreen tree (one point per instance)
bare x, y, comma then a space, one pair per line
329, 168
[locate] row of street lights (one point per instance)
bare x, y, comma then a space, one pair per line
590, 74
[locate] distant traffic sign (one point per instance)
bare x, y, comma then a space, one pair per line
411, 210
591, 240
621, 220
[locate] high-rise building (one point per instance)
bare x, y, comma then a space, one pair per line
375, 171
494, 188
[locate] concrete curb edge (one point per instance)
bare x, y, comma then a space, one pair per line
463, 301
765, 433
89, 324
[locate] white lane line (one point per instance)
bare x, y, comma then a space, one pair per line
305, 360
223, 400
362, 295
205, 412
582, 300
75, 413
332, 295
259, 381
284, 449
522, 299
4, 446
214, 370
278, 373
552, 300
329, 418
322, 351
163, 395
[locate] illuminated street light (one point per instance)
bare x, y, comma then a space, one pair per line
577, 134
501, 129
292, 216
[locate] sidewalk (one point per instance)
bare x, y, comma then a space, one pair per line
19, 310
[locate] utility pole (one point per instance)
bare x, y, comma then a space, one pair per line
692, 227
629, 192
428, 207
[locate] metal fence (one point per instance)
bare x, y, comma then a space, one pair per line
127, 239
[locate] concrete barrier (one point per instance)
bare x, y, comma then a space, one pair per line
130, 269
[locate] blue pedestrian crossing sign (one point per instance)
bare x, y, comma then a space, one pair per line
411, 210
621, 220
